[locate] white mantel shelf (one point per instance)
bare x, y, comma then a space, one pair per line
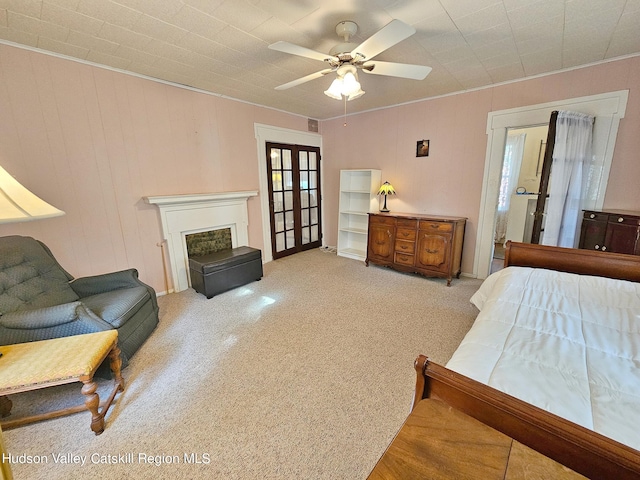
191, 198
185, 214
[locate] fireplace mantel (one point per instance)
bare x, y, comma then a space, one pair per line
193, 213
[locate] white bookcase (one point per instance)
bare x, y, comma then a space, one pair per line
358, 197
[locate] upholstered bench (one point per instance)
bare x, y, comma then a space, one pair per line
46, 363
221, 271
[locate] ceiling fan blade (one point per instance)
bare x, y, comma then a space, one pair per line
293, 49
302, 80
402, 70
392, 33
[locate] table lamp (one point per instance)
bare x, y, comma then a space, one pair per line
386, 189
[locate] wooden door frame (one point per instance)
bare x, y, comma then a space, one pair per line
608, 108
545, 175
269, 133
297, 208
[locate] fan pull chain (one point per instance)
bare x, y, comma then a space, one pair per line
345, 111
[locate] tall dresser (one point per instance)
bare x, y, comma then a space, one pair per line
616, 231
430, 245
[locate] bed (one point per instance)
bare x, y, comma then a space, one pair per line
553, 358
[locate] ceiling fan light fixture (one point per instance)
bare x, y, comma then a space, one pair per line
356, 94
346, 85
335, 90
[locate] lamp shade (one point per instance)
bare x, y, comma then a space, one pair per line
386, 189
17, 204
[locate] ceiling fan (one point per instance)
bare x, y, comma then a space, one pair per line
347, 58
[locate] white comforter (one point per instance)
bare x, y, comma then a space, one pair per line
569, 344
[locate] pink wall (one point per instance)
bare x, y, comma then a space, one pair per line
449, 180
93, 142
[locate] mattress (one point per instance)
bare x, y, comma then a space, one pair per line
569, 344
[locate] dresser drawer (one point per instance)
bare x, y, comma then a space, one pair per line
404, 259
405, 246
596, 216
409, 223
406, 234
436, 227
380, 220
622, 219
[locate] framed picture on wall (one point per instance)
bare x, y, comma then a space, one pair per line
422, 148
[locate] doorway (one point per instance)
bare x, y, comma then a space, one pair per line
609, 108
269, 133
519, 186
294, 191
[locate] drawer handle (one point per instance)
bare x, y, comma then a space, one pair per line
431, 251
380, 242
435, 225
404, 247
597, 247
604, 248
405, 234
620, 219
404, 257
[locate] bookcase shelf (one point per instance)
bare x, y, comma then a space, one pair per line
358, 197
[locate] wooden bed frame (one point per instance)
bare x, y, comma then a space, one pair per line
576, 447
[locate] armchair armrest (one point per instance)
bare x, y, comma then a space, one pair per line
54, 316
107, 282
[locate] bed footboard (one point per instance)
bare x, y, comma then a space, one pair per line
578, 448
573, 260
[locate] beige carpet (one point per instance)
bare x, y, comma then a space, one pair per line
307, 374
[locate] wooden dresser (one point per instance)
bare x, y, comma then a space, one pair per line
616, 231
430, 245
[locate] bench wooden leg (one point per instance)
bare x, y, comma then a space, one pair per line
115, 362
92, 402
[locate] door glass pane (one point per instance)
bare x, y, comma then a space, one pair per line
291, 241
314, 233
312, 161
277, 202
304, 163
279, 222
289, 220
276, 178
313, 198
280, 242
304, 217
286, 161
276, 161
305, 235
288, 179
288, 200
304, 199
314, 215
313, 180
304, 179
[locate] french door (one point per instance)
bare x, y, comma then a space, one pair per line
294, 198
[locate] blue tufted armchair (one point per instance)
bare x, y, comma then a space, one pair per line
39, 300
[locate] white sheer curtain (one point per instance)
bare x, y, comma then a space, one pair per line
572, 159
513, 152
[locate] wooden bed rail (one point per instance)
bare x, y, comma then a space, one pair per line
576, 447
573, 260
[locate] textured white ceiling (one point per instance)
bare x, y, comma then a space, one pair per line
221, 45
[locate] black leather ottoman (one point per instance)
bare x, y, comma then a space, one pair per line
221, 271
